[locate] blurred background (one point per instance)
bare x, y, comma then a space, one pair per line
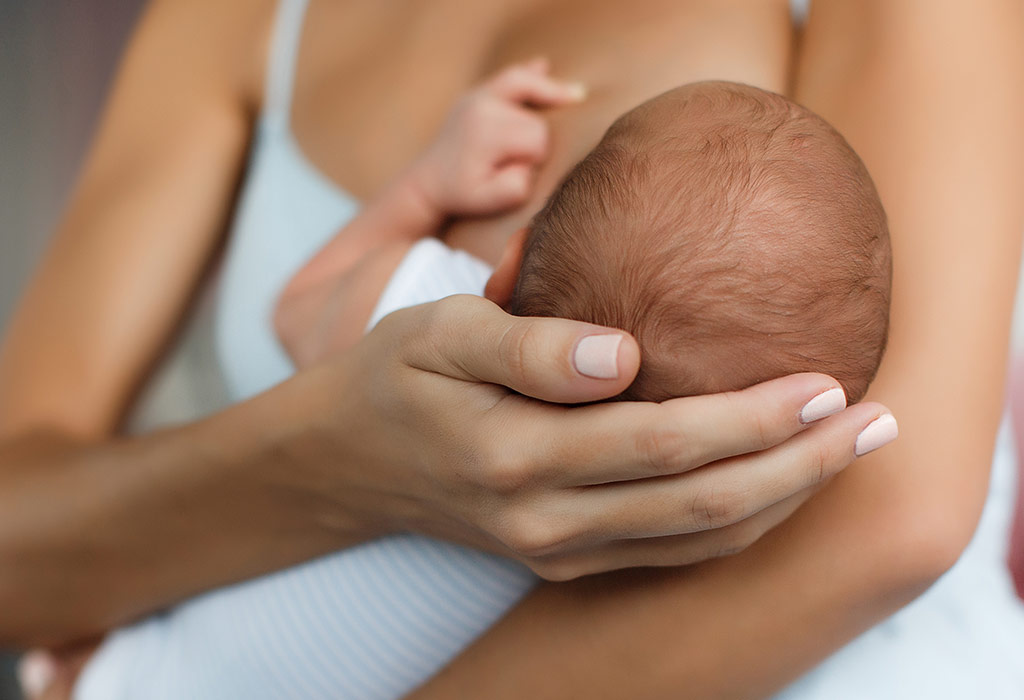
57, 59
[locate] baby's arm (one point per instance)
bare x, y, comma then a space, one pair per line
482, 163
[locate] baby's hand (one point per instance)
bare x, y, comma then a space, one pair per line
484, 159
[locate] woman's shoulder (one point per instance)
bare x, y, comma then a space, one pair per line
230, 39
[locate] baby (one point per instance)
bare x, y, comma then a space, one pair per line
735, 234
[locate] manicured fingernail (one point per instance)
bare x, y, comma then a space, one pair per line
576, 91
879, 432
597, 356
825, 404
36, 671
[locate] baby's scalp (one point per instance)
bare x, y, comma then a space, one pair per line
735, 233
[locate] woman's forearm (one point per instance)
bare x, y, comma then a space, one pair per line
94, 534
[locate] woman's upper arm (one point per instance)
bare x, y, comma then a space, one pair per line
940, 133
143, 221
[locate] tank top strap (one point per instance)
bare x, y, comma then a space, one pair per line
284, 53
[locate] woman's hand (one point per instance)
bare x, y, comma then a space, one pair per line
443, 448
413, 429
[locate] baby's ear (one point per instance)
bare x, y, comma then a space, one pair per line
503, 281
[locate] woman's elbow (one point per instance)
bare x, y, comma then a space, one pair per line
32, 619
44, 603
928, 536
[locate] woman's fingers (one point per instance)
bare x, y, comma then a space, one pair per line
547, 358
623, 441
721, 494
548, 483
673, 550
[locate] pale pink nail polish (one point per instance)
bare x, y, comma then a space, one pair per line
825, 404
879, 432
597, 356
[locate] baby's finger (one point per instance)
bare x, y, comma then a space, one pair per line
520, 136
529, 86
636, 440
508, 187
540, 64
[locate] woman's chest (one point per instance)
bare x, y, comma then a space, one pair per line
375, 80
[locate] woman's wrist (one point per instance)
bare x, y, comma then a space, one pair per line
289, 448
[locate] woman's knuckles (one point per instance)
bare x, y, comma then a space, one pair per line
523, 351
765, 422
560, 570
406, 332
663, 449
504, 473
822, 464
715, 507
534, 537
443, 323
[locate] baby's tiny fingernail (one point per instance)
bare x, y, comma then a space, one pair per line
36, 671
825, 404
879, 432
576, 91
597, 356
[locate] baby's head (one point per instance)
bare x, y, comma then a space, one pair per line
734, 233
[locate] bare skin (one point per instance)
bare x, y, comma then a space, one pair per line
700, 624
668, 43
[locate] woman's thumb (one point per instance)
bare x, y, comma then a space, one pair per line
551, 359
